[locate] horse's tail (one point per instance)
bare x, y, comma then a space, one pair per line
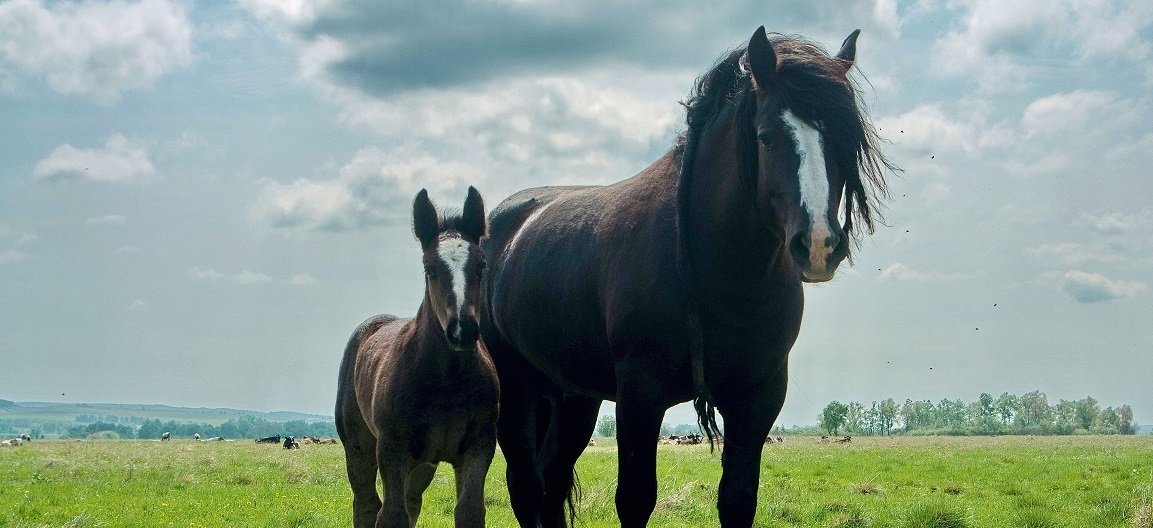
703, 403
574, 496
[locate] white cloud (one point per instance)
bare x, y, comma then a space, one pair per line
1087, 287
136, 306
374, 188
121, 160
112, 219
1116, 223
301, 279
999, 42
251, 277
207, 274
12, 256
927, 130
95, 49
1053, 116
902, 273
1074, 254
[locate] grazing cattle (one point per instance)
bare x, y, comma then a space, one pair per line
417, 392
15, 442
592, 442
269, 440
844, 440
25, 437
213, 439
780, 440
683, 282
291, 443
824, 440
196, 436
166, 436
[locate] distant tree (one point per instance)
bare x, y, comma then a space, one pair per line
1087, 412
886, 414
150, 429
1125, 420
854, 418
1107, 422
1006, 406
833, 417
607, 426
987, 406
1035, 414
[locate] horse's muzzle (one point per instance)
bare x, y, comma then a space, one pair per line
462, 333
818, 259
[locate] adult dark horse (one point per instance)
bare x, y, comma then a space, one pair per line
415, 392
680, 283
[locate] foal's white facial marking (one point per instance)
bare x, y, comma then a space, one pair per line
454, 253
814, 184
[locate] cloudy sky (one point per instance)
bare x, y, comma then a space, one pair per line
200, 200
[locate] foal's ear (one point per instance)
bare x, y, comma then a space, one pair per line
848, 52
472, 222
425, 223
763, 60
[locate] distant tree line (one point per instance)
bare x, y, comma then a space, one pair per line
237, 428
1028, 414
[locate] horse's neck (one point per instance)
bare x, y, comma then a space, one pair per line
734, 256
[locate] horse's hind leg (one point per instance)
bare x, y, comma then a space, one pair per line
418, 480
516, 430
575, 419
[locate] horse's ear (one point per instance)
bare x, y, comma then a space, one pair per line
763, 60
425, 223
848, 52
472, 219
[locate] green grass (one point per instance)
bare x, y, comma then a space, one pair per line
873, 482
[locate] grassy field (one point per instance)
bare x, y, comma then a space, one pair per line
873, 482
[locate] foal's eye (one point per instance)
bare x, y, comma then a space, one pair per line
430, 272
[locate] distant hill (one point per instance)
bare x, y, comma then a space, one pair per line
131, 413
1145, 429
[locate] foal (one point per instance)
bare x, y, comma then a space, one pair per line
416, 392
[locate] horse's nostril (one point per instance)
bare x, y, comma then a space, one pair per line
800, 249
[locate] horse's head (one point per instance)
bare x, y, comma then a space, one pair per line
805, 124
453, 264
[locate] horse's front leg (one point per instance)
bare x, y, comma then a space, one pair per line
395, 466
638, 426
471, 472
748, 420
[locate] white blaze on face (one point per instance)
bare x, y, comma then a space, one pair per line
814, 183
454, 253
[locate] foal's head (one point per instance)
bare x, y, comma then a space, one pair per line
453, 264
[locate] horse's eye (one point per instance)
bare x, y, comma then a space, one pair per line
765, 141
430, 272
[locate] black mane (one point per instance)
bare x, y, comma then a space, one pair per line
812, 84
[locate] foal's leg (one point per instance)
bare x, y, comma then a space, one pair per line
638, 426
471, 472
360, 462
418, 480
748, 420
395, 466
575, 421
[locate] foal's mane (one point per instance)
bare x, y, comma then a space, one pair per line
813, 85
